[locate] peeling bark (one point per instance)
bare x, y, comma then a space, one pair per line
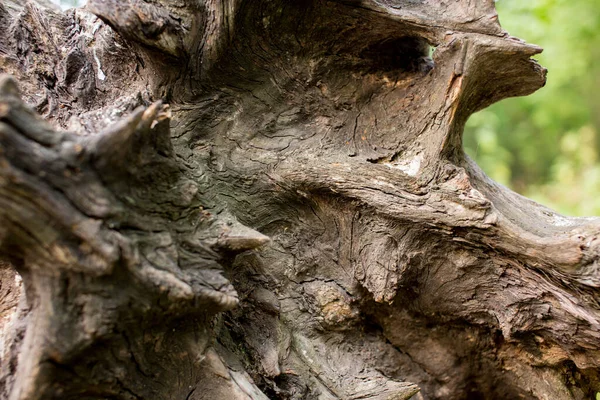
270, 200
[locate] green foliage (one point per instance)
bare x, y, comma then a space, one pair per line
547, 145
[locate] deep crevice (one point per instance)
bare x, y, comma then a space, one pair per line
407, 53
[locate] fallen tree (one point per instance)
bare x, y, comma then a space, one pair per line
269, 199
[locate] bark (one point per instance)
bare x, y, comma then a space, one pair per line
261, 199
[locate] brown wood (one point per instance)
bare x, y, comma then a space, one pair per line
269, 199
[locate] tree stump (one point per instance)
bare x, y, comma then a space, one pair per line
269, 199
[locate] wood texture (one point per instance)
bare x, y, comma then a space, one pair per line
269, 200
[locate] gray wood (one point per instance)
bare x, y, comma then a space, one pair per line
269, 200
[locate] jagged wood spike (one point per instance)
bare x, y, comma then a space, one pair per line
239, 238
141, 138
113, 275
117, 141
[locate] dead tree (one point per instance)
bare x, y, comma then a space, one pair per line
252, 199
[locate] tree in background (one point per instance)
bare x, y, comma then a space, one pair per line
546, 145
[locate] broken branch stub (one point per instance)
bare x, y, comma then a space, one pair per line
81, 225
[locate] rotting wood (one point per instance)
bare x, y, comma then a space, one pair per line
269, 199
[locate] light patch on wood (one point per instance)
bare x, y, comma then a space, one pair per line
409, 166
101, 75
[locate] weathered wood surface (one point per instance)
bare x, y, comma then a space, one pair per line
269, 199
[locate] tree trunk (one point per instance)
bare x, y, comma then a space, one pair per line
299, 222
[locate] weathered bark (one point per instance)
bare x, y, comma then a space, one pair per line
299, 222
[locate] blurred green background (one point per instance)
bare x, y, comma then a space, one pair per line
546, 146
65, 4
